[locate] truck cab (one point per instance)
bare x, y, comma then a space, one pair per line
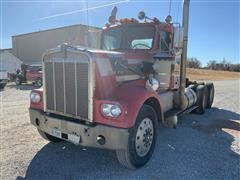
115, 97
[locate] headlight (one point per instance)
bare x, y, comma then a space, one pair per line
106, 109
111, 110
35, 97
115, 111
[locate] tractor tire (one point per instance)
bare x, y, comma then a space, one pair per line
210, 98
38, 82
142, 140
18, 81
48, 137
202, 95
2, 85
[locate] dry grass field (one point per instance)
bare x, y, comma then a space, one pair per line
204, 74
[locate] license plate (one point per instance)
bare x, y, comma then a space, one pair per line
56, 133
73, 138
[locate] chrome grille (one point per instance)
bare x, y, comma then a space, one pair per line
67, 85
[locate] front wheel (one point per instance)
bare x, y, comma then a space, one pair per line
38, 82
18, 81
2, 85
142, 140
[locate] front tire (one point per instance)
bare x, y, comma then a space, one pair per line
38, 82
18, 81
48, 137
142, 140
2, 85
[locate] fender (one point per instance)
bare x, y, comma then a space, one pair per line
131, 99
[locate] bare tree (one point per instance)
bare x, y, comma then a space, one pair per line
193, 63
223, 65
212, 64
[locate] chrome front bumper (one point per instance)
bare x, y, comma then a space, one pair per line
115, 138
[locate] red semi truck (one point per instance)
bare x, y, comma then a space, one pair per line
28, 73
115, 98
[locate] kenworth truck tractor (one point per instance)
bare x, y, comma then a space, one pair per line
116, 97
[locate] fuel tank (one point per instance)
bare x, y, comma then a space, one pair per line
190, 98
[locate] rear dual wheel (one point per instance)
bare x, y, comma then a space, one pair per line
210, 90
201, 99
142, 140
205, 94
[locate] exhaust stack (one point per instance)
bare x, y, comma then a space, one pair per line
185, 21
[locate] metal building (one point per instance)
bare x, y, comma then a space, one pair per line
30, 47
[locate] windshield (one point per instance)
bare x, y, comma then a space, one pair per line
35, 68
128, 37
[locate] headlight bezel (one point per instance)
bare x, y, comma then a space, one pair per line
111, 110
35, 97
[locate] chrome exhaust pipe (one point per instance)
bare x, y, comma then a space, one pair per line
185, 22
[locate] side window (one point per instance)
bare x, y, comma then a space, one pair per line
35, 68
165, 40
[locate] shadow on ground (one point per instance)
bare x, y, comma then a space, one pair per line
198, 148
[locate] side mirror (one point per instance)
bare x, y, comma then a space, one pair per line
178, 40
141, 15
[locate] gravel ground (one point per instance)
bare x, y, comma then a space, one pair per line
206, 146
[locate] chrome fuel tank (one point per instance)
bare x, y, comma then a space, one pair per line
190, 98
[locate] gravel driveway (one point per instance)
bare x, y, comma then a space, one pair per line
206, 146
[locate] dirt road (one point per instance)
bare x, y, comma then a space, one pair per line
205, 146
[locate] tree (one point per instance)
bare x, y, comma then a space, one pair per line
212, 64
223, 65
193, 63
235, 67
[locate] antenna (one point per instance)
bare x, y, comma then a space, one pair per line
168, 19
87, 26
170, 7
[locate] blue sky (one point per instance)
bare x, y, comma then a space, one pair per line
213, 30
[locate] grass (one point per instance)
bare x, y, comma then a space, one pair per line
206, 74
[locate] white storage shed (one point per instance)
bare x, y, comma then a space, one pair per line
9, 62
